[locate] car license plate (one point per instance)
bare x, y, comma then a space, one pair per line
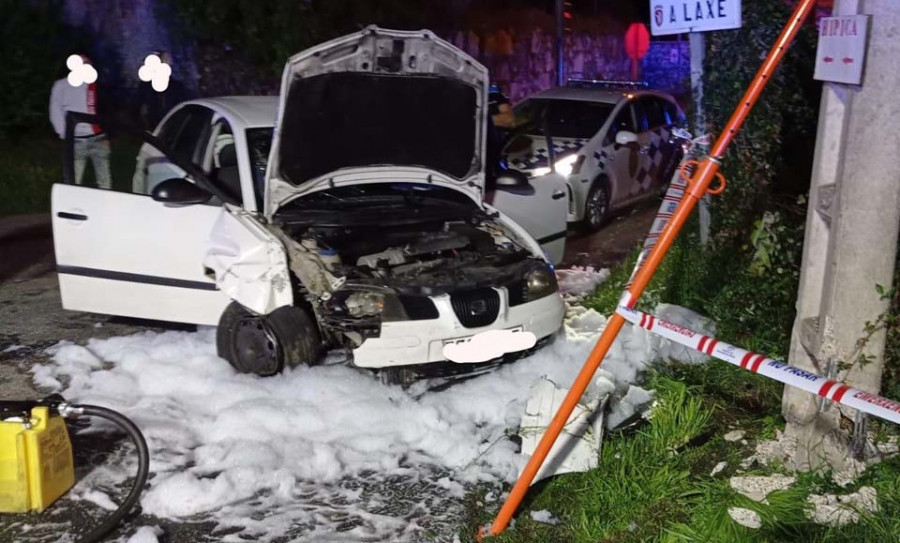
467, 339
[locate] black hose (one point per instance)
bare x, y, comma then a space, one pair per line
140, 479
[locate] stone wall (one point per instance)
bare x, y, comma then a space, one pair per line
517, 47
667, 67
523, 63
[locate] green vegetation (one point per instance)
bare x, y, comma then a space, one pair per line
745, 279
29, 167
654, 483
34, 42
273, 31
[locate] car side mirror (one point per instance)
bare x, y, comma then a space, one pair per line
624, 137
180, 192
515, 182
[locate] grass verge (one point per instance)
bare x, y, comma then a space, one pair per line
655, 483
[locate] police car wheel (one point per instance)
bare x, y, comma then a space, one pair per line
596, 207
265, 344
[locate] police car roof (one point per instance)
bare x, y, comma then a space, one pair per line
609, 96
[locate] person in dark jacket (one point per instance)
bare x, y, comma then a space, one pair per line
155, 103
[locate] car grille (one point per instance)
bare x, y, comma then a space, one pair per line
475, 308
419, 308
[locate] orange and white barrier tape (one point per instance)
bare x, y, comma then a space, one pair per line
773, 369
670, 201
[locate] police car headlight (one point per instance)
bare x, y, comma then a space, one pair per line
566, 164
540, 282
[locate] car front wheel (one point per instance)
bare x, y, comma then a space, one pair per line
266, 344
596, 207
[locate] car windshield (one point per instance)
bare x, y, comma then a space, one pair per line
344, 120
565, 118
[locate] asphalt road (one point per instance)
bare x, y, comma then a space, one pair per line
32, 319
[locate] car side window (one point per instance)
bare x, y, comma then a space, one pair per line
185, 135
186, 144
220, 160
673, 115
170, 129
624, 121
654, 113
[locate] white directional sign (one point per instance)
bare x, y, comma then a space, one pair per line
842, 49
682, 16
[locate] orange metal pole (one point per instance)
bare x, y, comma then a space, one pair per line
698, 186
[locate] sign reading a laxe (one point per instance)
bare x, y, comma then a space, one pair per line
678, 16
842, 49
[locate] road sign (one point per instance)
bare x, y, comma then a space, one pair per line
637, 41
679, 16
842, 49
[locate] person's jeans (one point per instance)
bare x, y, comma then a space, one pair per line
97, 149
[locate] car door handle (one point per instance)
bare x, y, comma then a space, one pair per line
558, 194
72, 216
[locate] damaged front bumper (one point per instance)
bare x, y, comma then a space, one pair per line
404, 343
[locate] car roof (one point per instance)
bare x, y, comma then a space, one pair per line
249, 111
595, 95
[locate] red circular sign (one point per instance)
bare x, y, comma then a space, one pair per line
637, 41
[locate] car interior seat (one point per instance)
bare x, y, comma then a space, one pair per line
225, 172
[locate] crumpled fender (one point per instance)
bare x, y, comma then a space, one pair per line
250, 264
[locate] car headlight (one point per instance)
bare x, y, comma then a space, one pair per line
540, 282
364, 304
565, 166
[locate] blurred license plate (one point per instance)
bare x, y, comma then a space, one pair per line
467, 339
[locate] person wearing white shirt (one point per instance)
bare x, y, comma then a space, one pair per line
90, 141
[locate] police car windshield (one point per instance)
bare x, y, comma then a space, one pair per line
344, 120
565, 118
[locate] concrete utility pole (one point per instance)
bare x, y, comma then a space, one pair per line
852, 227
698, 53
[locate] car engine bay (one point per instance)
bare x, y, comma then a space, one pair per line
361, 266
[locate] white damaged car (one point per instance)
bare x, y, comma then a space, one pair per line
366, 227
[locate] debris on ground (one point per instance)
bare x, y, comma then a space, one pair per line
227, 446
544, 517
784, 449
579, 281
734, 435
832, 510
745, 517
757, 487
718, 468
577, 449
146, 534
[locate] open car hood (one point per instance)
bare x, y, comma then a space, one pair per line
353, 109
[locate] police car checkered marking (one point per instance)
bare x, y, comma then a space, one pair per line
540, 157
645, 176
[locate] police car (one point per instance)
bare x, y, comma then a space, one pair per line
612, 142
352, 212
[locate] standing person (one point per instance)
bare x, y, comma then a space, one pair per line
499, 107
155, 103
90, 141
